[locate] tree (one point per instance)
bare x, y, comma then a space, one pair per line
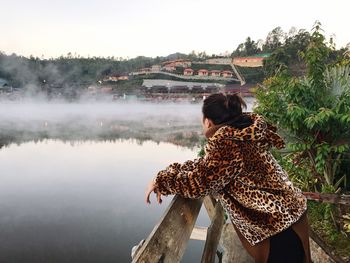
314, 111
248, 48
274, 40
286, 58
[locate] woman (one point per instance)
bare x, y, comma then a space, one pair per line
267, 211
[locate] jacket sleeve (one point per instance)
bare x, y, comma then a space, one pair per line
202, 176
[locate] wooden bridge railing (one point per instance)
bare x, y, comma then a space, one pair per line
328, 198
168, 240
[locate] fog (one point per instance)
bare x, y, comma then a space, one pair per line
179, 123
78, 121
129, 111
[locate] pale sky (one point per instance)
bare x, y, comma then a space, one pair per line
129, 28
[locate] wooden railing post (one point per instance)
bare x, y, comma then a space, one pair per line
168, 240
213, 235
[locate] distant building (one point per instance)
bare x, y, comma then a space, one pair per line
203, 72
169, 67
156, 68
178, 63
252, 61
123, 77
227, 74
215, 73
221, 61
111, 78
188, 72
150, 83
116, 77
145, 70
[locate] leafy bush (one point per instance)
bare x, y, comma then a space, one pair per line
314, 111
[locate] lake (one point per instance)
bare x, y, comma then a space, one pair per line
73, 177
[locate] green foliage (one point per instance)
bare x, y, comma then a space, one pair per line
322, 215
286, 56
314, 114
252, 74
321, 218
314, 111
202, 144
248, 48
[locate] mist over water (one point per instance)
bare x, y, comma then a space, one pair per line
29, 120
149, 113
78, 121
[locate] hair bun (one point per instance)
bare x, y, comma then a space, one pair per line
223, 108
235, 104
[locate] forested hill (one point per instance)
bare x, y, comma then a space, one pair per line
67, 70
285, 49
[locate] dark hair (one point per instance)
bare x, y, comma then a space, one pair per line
226, 109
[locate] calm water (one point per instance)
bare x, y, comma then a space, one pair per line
81, 202
78, 195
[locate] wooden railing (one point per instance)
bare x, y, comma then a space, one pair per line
328, 198
168, 240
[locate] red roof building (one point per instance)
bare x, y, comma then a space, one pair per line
169, 67
203, 72
188, 72
227, 74
215, 73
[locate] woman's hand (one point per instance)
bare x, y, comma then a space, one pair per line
150, 188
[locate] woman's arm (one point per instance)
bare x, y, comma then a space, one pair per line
202, 176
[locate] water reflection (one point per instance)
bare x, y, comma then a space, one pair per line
81, 202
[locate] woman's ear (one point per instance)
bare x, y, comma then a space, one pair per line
208, 123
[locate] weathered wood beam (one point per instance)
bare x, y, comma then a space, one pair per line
232, 246
233, 251
328, 198
213, 235
168, 240
209, 204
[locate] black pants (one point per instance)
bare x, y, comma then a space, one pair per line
286, 247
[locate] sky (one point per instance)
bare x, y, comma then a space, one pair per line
131, 28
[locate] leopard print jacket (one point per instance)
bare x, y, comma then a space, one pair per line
240, 171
